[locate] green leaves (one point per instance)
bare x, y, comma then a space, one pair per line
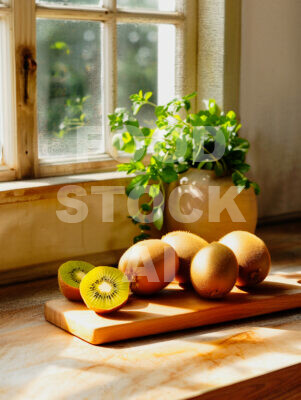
168, 174
190, 96
136, 192
134, 130
144, 227
137, 186
131, 167
146, 207
154, 191
213, 108
181, 147
139, 100
75, 117
158, 218
231, 115
142, 236
140, 153
256, 187
129, 145
239, 180
118, 119
207, 140
243, 182
180, 168
242, 167
240, 144
218, 169
60, 46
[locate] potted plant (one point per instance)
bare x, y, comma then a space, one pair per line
194, 159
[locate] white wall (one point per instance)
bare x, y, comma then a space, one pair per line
270, 100
32, 235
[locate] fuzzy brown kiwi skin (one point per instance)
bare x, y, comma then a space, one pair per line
186, 245
70, 292
160, 256
250, 275
214, 271
253, 257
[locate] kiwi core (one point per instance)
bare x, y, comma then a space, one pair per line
79, 275
105, 287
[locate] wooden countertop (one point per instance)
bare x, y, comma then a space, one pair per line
251, 359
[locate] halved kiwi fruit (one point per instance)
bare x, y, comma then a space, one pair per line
70, 275
104, 289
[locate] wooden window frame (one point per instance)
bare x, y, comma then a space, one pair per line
21, 16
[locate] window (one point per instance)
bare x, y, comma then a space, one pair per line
7, 97
66, 64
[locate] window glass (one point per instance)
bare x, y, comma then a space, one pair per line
161, 5
73, 2
69, 88
5, 89
1, 99
1, 129
146, 61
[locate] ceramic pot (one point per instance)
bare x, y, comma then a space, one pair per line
209, 206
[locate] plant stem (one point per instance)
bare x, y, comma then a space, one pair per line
151, 104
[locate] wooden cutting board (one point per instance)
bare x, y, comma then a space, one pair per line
172, 309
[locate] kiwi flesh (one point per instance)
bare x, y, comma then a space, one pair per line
186, 245
105, 289
70, 275
252, 254
214, 271
150, 265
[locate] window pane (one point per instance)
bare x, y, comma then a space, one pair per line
69, 88
73, 2
2, 90
7, 111
1, 127
146, 61
162, 5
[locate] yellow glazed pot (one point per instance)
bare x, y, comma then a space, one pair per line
209, 206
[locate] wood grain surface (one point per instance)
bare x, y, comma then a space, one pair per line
172, 309
251, 359
265, 387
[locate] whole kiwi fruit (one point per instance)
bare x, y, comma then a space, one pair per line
252, 254
186, 245
214, 271
150, 265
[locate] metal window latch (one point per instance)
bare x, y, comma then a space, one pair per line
29, 66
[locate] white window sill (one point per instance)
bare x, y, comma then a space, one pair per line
16, 191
